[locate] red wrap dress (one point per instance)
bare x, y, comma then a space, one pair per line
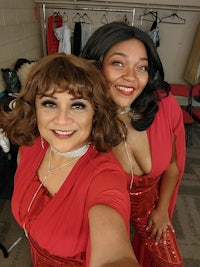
145, 190
58, 227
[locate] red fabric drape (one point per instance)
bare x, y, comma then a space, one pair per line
54, 21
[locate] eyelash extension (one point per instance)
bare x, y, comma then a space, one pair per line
79, 104
47, 102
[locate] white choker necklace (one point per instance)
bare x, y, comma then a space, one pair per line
124, 111
72, 154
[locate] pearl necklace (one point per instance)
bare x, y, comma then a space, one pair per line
72, 154
76, 154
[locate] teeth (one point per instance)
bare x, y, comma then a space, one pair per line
64, 132
122, 88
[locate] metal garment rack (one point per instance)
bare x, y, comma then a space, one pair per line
44, 21
117, 4
101, 5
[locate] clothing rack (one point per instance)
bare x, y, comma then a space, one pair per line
132, 11
45, 6
120, 4
127, 6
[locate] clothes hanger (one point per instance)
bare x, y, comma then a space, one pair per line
150, 16
55, 17
55, 13
125, 19
173, 19
78, 18
65, 17
104, 19
87, 19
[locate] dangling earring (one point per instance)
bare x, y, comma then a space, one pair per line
42, 142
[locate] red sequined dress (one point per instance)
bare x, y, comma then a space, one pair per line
145, 191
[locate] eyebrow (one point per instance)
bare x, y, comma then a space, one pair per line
144, 58
54, 97
124, 55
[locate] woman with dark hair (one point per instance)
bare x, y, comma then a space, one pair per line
153, 153
70, 192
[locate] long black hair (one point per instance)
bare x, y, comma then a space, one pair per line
146, 105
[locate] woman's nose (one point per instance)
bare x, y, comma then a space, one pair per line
129, 74
63, 117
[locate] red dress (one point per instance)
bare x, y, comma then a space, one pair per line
58, 226
145, 191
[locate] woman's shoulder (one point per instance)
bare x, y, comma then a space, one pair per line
169, 110
33, 152
104, 159
34, 147
169, 103
167, 98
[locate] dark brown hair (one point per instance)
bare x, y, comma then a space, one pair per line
78, 77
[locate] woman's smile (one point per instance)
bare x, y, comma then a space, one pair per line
63, 134
125, 90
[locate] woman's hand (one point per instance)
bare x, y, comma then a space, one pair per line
159, 222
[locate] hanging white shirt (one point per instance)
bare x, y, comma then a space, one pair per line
86, 32
63, 34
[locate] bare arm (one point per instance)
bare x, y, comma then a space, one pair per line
110, 243
159, 218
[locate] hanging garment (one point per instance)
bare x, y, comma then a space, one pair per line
77, 39
63, 34
86, 32
54, 21
154, 32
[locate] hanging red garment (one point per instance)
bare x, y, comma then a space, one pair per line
54, 21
